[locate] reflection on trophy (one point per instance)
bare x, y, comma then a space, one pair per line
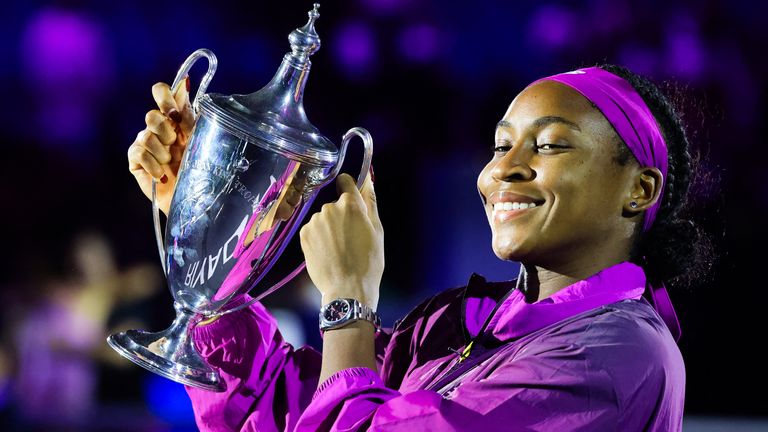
252, 168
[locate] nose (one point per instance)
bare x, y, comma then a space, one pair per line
513, 166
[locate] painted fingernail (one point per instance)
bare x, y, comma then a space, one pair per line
175, 115
373, 177
188, 84
164, 179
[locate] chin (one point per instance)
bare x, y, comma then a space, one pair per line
509, 250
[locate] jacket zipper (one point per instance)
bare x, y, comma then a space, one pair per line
450, 385
467, 349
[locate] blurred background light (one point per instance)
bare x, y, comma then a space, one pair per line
355, 49
168, 401
68, 65
421, 43
387, 6
554, 26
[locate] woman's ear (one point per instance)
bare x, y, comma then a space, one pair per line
646, 189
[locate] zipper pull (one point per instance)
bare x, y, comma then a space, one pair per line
465, 353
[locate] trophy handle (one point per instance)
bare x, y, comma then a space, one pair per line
364, 170
367, 143
187, 65
180, 76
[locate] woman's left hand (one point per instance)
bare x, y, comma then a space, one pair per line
343, 245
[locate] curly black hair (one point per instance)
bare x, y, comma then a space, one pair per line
675, 249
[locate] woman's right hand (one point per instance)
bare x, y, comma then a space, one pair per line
158, 149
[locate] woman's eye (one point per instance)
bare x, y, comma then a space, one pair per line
549, 147
500, 147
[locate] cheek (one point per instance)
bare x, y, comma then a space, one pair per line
584, 192
568, 188
484, 180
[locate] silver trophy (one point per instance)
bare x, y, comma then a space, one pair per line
252, 168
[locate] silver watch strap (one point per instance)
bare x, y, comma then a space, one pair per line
368, 314
358, 311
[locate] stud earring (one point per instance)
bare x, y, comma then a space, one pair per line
633, 204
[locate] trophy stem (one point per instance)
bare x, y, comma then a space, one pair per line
170, 353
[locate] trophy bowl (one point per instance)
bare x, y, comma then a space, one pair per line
251, 170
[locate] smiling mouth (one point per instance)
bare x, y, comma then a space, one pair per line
504, 211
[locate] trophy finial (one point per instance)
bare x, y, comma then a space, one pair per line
314, 13
305, 40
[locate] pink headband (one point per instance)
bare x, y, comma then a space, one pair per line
626, 111
628, 114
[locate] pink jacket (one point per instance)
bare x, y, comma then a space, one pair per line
593, 356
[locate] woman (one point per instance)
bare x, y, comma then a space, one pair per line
589, 174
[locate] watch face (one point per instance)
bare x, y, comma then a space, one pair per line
336, 310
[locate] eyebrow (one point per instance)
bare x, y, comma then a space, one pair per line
542, 122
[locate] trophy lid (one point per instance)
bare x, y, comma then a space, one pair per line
274, 116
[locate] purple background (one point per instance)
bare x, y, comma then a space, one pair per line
430, 80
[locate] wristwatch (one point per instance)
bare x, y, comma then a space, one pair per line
343, 311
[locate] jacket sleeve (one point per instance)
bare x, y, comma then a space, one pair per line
552, 390
268, 382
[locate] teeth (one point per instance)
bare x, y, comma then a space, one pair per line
506, 206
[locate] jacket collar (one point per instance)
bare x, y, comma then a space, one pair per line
516, 318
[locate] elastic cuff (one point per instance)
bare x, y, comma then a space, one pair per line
368, 375
206, 332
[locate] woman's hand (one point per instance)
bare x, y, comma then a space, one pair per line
158, 149
344, 245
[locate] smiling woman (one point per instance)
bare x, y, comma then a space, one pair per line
553, 148
602, 201
585, 188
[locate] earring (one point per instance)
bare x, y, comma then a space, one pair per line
633, 204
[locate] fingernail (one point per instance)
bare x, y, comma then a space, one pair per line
373, 177
164, 179
188, 84
175, 115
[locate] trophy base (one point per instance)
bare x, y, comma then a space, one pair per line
168, 356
